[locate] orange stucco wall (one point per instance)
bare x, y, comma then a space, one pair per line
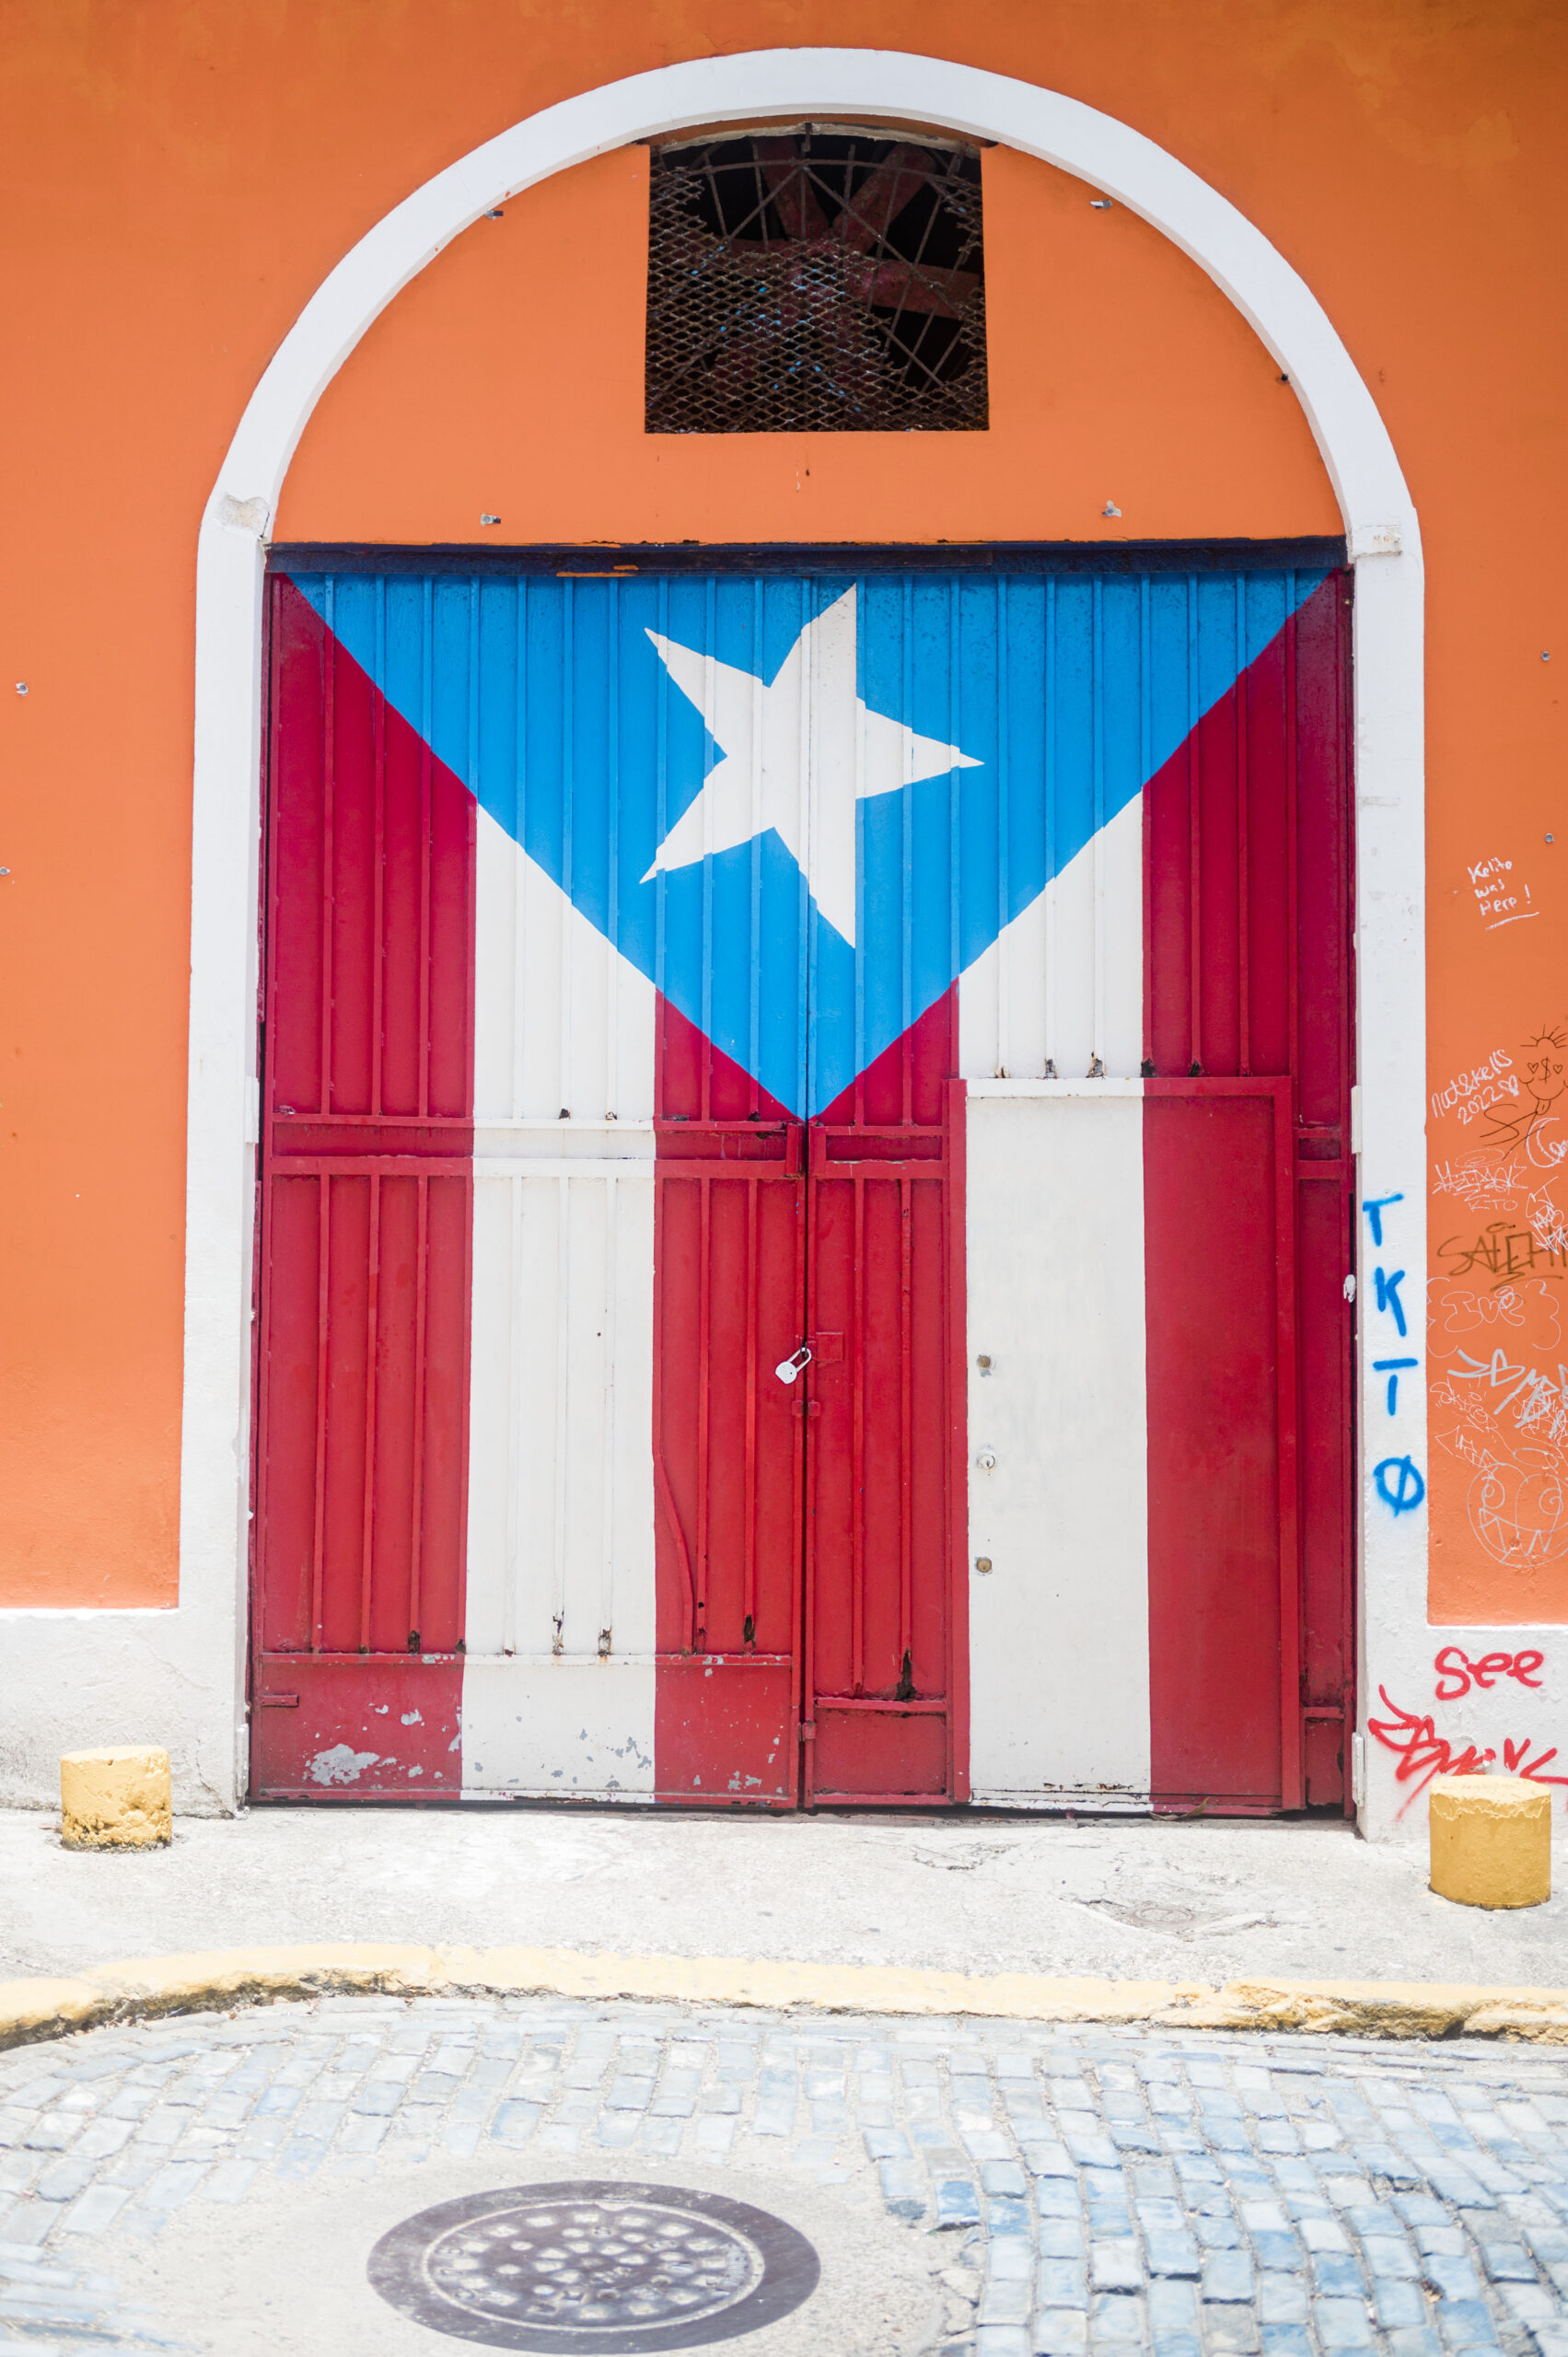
1117, 372
178, 180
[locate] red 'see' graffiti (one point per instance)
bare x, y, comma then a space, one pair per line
1423, 1753
1457, 1673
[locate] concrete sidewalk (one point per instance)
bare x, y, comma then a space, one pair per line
1123, 1899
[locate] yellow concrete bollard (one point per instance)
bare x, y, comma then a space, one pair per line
118, 1798
1490, 1841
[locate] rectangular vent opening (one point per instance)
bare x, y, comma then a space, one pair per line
824, 280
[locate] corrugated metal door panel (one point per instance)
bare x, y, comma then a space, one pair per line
730, 1453
1247, 974
1224, 1613
560, 1499
877, 1640
362, 1433
730, 1448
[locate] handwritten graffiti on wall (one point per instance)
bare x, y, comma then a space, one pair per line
1398, 1480
1501, 1406
1501, 897
1525, 1316
1471, 1093
1525, 1124
1502, 1251
1480, 1184
1422, 1751
1457, 1673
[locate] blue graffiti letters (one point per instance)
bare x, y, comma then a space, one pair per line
1400, 1486
1375, 1209
1390, 1367
1398, 1479
1388, 1297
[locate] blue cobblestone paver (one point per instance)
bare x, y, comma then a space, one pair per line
1080, 2191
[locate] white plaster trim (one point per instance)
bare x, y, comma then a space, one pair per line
1052, 1089
1374, 501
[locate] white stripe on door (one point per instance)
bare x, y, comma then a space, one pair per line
558, 1684
1059, 1623
1064, 983
1059, 1646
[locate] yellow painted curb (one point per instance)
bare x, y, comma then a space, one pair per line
225, 1978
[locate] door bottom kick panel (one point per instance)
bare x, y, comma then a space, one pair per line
725, 1730
357, 1728
892, 1753
1089, 1800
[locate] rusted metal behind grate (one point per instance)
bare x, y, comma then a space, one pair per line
815, 281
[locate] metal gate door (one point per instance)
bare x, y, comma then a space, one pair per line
727, 1032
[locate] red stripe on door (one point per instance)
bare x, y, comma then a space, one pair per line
367, 1223
809, 1648
884, 1488
729, 1258
1220, 1293
1249, 1212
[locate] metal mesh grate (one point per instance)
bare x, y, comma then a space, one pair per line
816, 281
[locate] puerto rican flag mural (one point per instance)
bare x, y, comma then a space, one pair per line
783, 1246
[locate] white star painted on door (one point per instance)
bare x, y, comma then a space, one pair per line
797, 757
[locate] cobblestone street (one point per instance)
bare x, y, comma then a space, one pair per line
1005, 2190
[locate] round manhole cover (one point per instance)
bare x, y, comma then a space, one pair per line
594, 2267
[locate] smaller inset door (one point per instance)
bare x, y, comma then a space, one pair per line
884, 1310
1224, 1607
804, 1441
729, 1291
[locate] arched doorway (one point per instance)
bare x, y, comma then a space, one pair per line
1312, 334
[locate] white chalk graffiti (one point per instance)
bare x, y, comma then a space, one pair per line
1502, 1407
1469, 1093
1484, 1185
1529, 1311
1501, 898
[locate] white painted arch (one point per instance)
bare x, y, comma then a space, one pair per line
195, 1654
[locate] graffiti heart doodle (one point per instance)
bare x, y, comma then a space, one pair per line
1527, 1122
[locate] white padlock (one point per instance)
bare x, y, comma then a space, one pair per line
790, 1370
